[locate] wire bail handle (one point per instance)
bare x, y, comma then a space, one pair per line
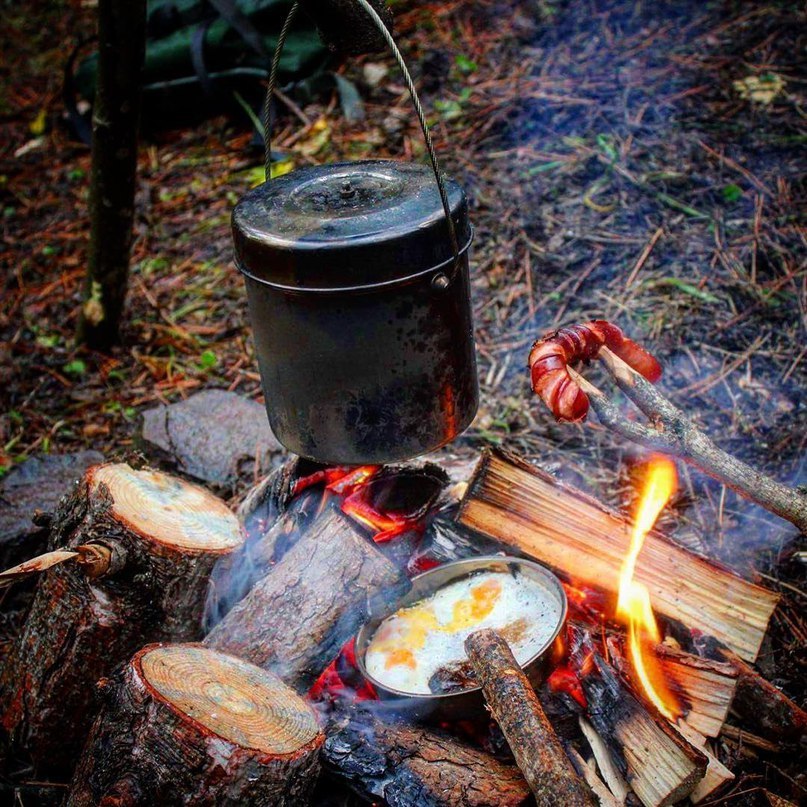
270, 91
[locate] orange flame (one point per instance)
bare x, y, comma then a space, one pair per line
633, 603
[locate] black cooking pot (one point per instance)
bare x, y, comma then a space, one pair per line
360, 306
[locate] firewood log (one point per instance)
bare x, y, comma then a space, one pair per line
528, 510
535, 746
704, 687
413, 766
761, 703
658, 763
184, 725
295, 620
160, 537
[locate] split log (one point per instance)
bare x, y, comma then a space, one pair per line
658, 763
296, 619
717, 774
765, 705
527, 509
705, 688
184, 725
158, 538
617, 785
513, 702
413, 766
588, 770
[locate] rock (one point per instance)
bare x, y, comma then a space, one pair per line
36, 484
214, 436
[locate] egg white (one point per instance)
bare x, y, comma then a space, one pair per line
413, 643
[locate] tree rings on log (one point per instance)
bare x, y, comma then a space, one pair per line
158, 538
167, 510
185, 725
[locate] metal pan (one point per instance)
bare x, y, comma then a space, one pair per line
467, 703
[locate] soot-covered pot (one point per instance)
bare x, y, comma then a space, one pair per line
360, 309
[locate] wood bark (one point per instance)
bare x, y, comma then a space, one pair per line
160, 537
115, 118
527, 509
765, 705
295, 620
184, 725
413, 766
535, 746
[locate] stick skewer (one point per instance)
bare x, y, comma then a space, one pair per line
672, 432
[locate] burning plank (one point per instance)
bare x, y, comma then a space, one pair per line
295, 620
157, 539
705, 688
658, 763
527, 509
183, 724
412, 766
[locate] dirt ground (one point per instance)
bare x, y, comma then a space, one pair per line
636, 161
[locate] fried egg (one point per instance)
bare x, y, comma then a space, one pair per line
414, 642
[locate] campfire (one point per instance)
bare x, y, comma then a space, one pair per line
621, 699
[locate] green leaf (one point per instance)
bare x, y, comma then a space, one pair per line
539, 169
687, 288
465, 64
207, 360
732, 193
77, 367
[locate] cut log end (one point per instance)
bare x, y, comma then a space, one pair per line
231, 698
183, 719
168, 510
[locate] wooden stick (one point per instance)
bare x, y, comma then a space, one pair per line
513, 702
187, 725
717, 774
674, 433
414, 766
295, 620
525, 508
151, 541
588, 770
610, 773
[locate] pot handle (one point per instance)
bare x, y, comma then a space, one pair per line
410, 85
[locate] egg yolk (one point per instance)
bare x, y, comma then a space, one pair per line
468, 613
401, 658
417, 622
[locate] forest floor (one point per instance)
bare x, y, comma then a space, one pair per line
635, 161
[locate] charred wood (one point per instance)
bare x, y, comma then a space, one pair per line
765, 705
657, 762
413, 766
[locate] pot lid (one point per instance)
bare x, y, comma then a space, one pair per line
347, 225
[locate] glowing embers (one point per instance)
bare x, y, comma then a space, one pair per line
364, 499
634, 608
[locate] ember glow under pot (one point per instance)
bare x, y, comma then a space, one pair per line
360, 309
